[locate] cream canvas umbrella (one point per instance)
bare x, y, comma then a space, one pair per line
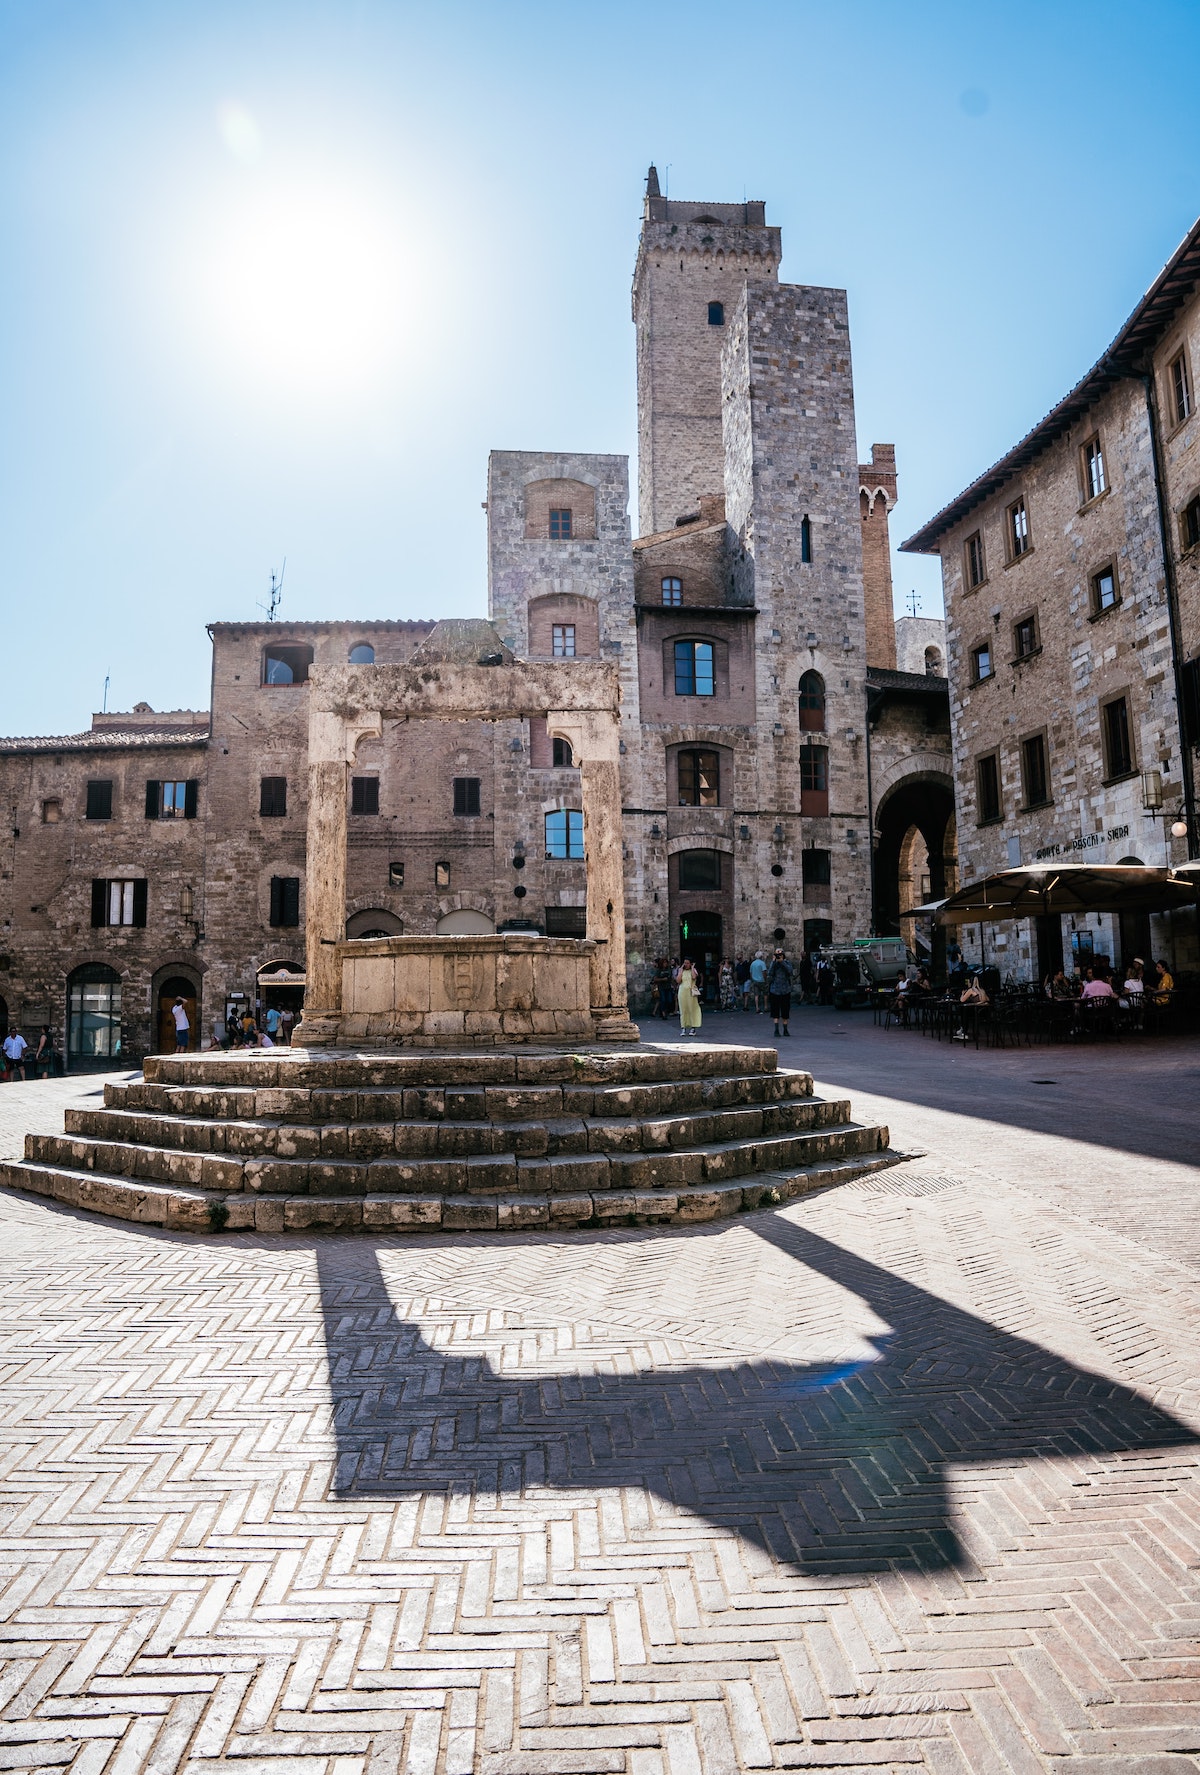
1036, 890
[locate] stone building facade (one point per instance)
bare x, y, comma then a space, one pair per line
1072, 589
770, 747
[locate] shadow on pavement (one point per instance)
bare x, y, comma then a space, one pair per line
830, 1470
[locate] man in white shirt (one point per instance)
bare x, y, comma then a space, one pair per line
14, 1053
183, 1029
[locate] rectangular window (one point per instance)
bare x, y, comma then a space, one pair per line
566, 921
396, 875
466, 795
560, 524
1191, 701
1091, 459
1025, 639
694, 668
672, 590
815, 867
272, 798
973, 560
99, 799
1181, 389
1104, 590
1033, 771
987, 789
563, 757
285, 900
1189, 522
564, 833
814, 780
172, 801
981, 662
364, 795
699, 871
564, 640
119, 903
1018, 530
806, 541
699, 778
441, 875
1118, 745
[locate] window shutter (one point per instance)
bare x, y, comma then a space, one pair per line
99, 903
191, 798
153, 791
291, 900
139, 904
1191, 701
277, 899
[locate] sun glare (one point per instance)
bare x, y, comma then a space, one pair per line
304, 284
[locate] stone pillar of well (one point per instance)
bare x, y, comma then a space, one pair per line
595, 740
332, 742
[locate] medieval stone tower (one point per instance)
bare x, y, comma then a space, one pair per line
693, 262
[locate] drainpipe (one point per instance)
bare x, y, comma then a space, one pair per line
872, 704
1185, 754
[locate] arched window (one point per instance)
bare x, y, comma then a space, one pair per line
716, 314
93, 1014
362, 654
812, 703
694, 674
287, 663
699, 773
933, 662
564, 832
672, 590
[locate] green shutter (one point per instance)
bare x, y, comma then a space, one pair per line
99, 908
139, 904
153, 794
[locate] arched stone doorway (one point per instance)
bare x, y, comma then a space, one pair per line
916, 855
93, 1017
374, 921
169, 985
465, 922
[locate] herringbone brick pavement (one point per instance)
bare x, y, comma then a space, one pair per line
906, 1474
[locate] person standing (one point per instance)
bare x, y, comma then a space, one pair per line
758, 982
779, 991
43, 1059
689, 999
183, 1029
727, 986
286, 1021
273, 1021
742, 973
15, 1047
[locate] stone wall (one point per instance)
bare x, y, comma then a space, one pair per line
921, 645
689, 255
1084, 658
791, 491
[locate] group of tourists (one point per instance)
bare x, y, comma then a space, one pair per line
1098, 981
20, 1059
241, 1029
753, 984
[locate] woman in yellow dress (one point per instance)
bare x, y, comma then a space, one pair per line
689, 999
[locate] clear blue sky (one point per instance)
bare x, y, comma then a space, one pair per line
277, 276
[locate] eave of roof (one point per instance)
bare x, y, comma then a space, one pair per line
105, 741
1127, 356
908, 683
372, 625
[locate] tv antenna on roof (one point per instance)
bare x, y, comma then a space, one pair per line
914, 599
276, 593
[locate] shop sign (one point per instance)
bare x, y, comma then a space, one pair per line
1085, 841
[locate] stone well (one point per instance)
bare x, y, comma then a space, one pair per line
465, 992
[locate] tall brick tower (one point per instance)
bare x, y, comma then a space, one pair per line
694, 260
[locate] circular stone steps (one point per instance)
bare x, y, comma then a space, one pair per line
279, 1140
